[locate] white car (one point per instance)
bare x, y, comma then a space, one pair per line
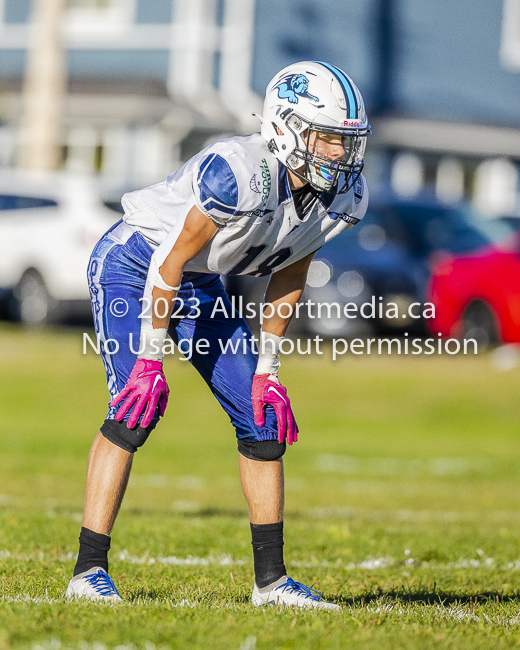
49, 225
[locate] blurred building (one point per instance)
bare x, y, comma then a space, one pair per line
441, 82
151, 81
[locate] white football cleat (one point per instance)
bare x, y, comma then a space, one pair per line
94, 584
289, 593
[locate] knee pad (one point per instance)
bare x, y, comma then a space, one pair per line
263, 450
128, 439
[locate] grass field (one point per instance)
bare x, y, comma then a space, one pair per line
403, 506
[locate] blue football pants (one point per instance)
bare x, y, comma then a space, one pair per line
117, 275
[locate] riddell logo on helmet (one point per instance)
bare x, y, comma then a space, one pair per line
352, 122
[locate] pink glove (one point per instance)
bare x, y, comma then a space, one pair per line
146, 384
268, 390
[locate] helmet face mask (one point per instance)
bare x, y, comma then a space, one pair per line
320, 137
329, 159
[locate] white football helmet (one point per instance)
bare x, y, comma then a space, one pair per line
315, 124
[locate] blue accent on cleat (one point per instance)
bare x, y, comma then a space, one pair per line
300, 589
102, 583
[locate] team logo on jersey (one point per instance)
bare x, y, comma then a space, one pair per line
266, 180
358, 190
293, 86
255, 185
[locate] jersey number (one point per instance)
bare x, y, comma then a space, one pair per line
266, 267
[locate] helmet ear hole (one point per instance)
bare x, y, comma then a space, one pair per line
295, 123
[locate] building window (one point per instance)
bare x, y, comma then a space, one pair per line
510, 44
407, 175
449, 185
496, 187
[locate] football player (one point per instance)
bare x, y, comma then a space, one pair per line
259, 205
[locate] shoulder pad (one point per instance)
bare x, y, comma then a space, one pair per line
228, 183
350, 207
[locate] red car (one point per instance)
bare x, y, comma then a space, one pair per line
477, 295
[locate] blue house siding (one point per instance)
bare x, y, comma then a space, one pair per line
148, 11
119, 63
12, 63
448, 64
154, 11
445, 62
17, 11
443, 56
332, 30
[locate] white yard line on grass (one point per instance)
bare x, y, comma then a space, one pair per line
409, 562
370, 563
455, 612
56, 644
340, 464
413, 516
125, 556
459, 613
25, 598
221, 560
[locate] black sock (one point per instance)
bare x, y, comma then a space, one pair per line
93, 551
267, 542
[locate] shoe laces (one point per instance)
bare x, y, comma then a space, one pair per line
102, 583
300, 589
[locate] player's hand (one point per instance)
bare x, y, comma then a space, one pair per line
268, 390
146, 388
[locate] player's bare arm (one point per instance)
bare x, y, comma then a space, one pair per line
284, 290
197, 232
285, 286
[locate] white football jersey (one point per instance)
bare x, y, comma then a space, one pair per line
241, 186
